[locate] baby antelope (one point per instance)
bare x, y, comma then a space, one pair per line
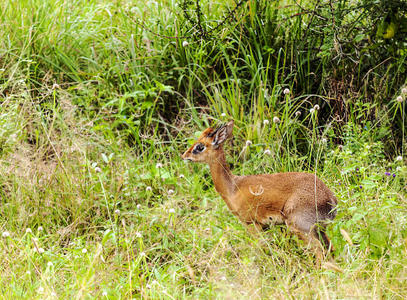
299, 200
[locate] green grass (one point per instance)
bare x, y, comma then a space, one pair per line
95, 110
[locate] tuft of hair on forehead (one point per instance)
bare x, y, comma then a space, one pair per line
207, 132
214, 131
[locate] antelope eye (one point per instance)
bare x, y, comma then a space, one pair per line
198, 148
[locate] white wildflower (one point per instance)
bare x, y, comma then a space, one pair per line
28, 230
399, 158
104, 294
55, 86
170, 191
40, 290
159, 165
50, 264
148, 286
185, 44
98, 170
223, 115
6, 234
297, 113
324, 140
149, 189
138, 206
171, 211
312, 110
40, 250
84, 250
286, 91
223, 278
276, 120
266, 122
28, 272
181, 176
40, 228
248, 143
267, 152
316, 107
404, 90
399, 99
139, 235
142, 254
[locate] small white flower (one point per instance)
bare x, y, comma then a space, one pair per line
149, 189
53, 294
312, 110
154, 282
340, 147
142, 254
98, 170
297, 113
117, 211
84, 250
28, 230
139, 235
171, 211
223, 115
159, 165
399, 158
248, 143
6, 234
399, 99
266, 122
316, 107
207, 229
40, 228
40, 290
104, 294
185, 44
181, 176
324, 140
55, 86
50, 264
28, 272
286, 91
404, 90
40, 250
148, 286
223, 278
267, 152
170, 191
138, 206
276, 120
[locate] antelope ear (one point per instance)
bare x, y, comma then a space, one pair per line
222, 134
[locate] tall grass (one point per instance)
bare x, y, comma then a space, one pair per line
98, 99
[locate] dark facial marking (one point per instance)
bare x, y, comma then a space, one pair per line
198, 148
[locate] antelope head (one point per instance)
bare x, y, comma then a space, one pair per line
209, 144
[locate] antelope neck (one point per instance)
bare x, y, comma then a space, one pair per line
222, 176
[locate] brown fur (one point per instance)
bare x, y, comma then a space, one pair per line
300, 200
